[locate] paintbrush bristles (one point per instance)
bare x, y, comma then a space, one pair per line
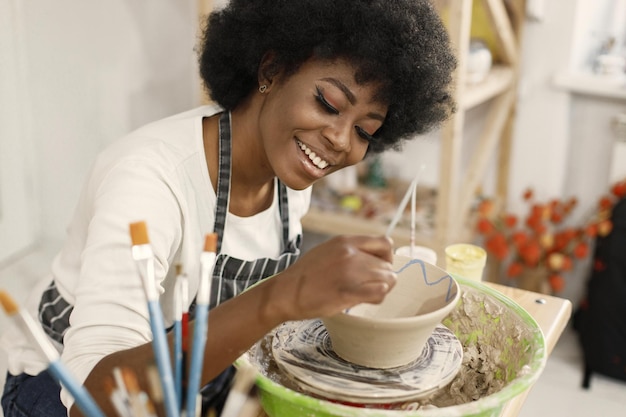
210, 242
8, 304
131, 381
139, 233
29, 326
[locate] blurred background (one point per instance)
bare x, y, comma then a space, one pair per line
76, 75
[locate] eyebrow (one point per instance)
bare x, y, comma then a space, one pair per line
350, 96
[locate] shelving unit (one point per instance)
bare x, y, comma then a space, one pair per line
457, 189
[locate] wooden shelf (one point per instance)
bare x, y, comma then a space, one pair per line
499, 80
459, 182
334, 223
592, 84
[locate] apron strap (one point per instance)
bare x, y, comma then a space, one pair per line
223, 186
223, 178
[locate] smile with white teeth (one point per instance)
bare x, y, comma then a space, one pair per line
317, 161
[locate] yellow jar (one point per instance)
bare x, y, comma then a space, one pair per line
466, 260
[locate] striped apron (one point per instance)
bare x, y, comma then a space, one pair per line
231, 276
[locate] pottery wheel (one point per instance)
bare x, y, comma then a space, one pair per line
303, 351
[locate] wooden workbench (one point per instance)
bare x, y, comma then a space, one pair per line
551, 313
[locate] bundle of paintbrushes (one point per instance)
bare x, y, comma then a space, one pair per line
180, 393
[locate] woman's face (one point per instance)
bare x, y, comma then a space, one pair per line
318, 121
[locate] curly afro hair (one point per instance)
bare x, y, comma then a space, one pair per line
400, 45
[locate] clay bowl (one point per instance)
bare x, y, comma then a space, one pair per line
394, 333
483, 317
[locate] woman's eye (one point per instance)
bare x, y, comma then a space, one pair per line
322, 100
364, 134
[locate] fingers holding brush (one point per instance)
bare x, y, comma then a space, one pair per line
339, 273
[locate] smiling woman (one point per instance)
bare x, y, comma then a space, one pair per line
302, 88
323, 111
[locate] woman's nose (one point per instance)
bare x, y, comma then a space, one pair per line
338, 135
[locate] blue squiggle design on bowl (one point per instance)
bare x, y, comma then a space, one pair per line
421, 263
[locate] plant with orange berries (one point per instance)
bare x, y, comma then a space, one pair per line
543, 238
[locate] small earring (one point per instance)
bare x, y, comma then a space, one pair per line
262, 88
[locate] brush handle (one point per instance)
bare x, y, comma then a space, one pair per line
197, 357
178, 361
234, 404
82, 397
162, 356
410, 191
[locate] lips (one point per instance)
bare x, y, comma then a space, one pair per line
315, 159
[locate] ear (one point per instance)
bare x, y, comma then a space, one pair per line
269, 70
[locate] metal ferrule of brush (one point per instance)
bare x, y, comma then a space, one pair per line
144, 258
207, 261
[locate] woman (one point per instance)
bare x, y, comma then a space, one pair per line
303, 88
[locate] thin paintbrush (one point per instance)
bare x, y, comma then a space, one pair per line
58, 370
412, 239
154, 384
115, 396
239, 394
203, 298
251, 406
144, 257
184, 324
178, 336
139, 401
409, 192
120, 385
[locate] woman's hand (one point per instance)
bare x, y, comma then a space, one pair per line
342, 272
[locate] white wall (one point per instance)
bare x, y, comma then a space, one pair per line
542, 130
563, 139
96, 70
19, 223
597, 20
